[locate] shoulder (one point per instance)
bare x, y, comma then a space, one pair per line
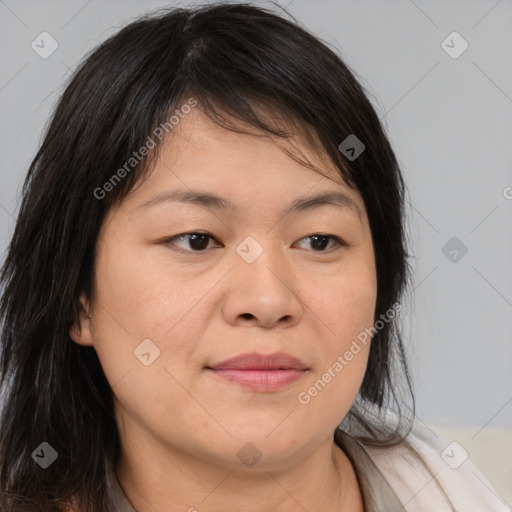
428, 472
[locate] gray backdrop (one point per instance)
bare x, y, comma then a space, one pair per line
448, 113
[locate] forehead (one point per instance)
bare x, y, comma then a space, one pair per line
198, 138
199, 156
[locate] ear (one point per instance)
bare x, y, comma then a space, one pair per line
80, 332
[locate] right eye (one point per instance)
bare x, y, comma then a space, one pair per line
197, 241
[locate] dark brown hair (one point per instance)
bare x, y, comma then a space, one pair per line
233, 59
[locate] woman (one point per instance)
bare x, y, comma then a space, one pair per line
201, 293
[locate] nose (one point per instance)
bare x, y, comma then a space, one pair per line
263, 293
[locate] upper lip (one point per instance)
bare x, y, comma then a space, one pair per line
256, 361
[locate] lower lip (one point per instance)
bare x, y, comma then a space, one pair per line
261, 380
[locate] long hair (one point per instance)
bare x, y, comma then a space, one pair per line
238, 62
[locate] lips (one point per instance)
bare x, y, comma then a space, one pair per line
261, 373
255, 361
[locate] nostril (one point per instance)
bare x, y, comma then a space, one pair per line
247, 315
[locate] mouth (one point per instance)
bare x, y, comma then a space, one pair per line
260, 380
263, 373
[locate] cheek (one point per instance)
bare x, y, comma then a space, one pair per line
141, 299
347, 308
345, 302
148, 295
139, 296
356, 309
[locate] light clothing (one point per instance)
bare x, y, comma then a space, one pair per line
428, 474
424, 473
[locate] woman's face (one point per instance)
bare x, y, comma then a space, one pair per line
166, 308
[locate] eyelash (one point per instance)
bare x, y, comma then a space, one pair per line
339, 242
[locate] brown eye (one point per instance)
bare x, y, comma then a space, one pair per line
319, 242
196, 241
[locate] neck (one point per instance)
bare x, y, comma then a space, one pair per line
158, 480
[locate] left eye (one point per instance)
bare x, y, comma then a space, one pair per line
321, 241
198, 242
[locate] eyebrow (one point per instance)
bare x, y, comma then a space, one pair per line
211, 201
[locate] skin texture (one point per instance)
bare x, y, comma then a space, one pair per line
180, 426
